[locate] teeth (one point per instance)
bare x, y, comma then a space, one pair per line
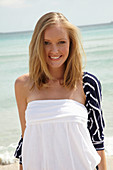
55, 57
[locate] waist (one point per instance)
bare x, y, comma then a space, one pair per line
59, 118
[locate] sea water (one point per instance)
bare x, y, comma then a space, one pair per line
14, 56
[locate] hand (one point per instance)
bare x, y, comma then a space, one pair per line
102, 165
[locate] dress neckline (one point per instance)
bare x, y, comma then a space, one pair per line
57, 100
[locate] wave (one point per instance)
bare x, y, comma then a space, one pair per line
7, 154
100, 52
7, 158
13, 145
4, 57
98, 38
96, 30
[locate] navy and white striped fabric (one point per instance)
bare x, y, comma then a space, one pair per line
92, 89
18, 152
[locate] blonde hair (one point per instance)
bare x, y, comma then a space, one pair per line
38, 69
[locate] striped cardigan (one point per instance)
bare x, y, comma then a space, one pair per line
95, 124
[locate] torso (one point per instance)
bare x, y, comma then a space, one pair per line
54, 91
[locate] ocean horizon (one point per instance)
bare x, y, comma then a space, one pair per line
80, 26
14, 60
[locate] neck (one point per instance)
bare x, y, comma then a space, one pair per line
57, 73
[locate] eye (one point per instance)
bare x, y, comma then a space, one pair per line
62, 42
46, 43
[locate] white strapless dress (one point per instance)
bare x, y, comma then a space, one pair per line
56, 137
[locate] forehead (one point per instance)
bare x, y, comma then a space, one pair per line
55, 31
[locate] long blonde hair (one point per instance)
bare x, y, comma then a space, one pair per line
38, 69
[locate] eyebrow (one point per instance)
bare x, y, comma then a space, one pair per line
58, 39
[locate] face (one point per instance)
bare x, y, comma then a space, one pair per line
56, 46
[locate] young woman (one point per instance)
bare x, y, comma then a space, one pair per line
59, 105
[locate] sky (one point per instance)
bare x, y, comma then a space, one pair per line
22, 15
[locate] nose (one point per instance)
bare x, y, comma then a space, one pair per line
54, 48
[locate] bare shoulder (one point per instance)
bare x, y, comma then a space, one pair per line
22, 79
23, 84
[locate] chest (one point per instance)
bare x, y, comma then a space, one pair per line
56, 91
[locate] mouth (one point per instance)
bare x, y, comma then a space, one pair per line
55, 58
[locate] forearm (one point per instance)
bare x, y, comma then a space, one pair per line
102, 165
20, 167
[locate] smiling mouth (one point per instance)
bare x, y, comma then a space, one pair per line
55, 58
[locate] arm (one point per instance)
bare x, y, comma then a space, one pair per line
21, 168
21, 93
102, 165
99, 137
92, 88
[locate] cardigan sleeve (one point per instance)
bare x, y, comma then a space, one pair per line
92, 89
18, 151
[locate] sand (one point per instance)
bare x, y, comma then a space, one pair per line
15, 166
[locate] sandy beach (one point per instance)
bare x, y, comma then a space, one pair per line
15, 166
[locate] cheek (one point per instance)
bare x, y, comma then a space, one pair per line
46, 50
65, 50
